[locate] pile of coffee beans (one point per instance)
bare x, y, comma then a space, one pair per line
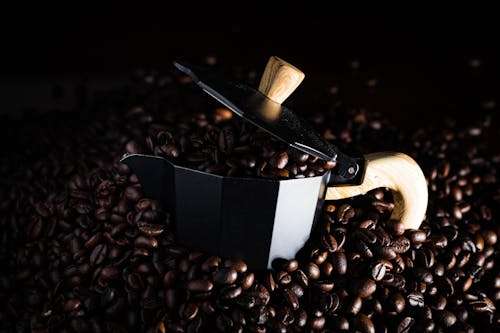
224, 144
82, 250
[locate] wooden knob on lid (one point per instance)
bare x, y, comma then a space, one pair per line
280, 79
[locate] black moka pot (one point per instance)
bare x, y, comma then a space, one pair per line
259, 220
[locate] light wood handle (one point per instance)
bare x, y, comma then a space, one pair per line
280, 79
400, 173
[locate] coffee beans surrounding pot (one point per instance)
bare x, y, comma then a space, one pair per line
82, 250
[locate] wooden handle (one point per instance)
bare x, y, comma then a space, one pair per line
280, 79
400, 173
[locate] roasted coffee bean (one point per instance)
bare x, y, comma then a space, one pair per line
239, 265
98, 255
259, 315
395, 227
318, 256
405, 325
300, 318
312, 271
342, 324
400, 244
415, 299
230, 292
483, 305
150, 229
291, 298
147, 242
378, 271
279, 160
447, 318
353, 306
247, 281
225, 276
72, 305
417, 236
318, 323
363, 324
329, 242
397, 303
345, 213
339, 262
364, 288
246, 301
363, 249
199, 285
385, 252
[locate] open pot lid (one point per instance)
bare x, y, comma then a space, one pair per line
272, 117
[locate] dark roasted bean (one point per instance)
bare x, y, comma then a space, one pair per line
364, 288
247, 281
312, 271
415, 299
378, 271
363, 324
230, 292
199, 285
405, 325
291, 298
98, 255
225, 276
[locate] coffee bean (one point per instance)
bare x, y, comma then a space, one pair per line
246, 301
416, 299
318, 323
345, 213
239, 265
417, 236
329, 242
363, 323
35, 228
297, 289
302, 278
259, 315
188, 311
324, 285
385, 252
341, 324
339, 261
147, 242
247, 281
230, 292
225, 276
312, 271
378, 271
483, 305
364, 288
199, 285
149, 229
447, 318
397, 303
72, 305
284, 278
400, 244
353, 306
98, 255
291, 298
396, 228
110, 272
405, 325
279, 160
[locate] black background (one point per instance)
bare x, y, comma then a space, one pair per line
421, 61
